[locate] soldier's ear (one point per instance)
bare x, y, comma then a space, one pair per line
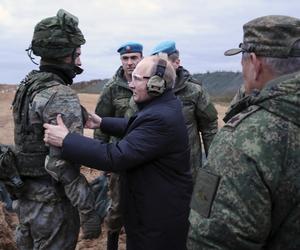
256, 64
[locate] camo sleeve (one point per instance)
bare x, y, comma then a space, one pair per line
65, 102
104, 108
240, 94
230, 224
45, 107
246, 192
207, 118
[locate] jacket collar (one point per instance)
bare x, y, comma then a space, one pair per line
280, 96
182, 75
120, 79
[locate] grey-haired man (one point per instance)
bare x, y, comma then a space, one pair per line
247, 195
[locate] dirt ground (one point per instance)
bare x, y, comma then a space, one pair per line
9, 221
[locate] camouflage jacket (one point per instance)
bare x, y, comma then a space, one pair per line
40, 97
240, 94
113, 101
199, 113
249, 193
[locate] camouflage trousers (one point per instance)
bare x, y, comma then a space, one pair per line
75, 184
47, 222
114, 219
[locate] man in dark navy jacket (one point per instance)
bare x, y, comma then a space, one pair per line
152, 158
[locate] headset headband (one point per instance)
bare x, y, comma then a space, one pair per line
161, 68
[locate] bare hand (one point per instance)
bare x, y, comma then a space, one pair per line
93, 121
55, 134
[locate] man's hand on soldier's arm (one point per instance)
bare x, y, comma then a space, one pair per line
55, 134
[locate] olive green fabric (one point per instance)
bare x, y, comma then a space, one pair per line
256, 156
48, 183
114, 102
200, 116
270, 36
57, 37
30, 148
8, 163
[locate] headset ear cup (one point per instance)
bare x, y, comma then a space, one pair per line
156, 86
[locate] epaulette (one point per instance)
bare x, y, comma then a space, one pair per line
236, 120
109, 82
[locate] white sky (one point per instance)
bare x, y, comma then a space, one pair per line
203, 30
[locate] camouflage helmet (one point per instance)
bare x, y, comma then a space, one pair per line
57, 37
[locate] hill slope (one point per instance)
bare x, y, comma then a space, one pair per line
219, 84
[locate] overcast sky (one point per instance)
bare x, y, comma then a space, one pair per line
203, 30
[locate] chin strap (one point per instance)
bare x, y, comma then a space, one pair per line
78, 70
29, 54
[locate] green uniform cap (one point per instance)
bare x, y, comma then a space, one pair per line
270, 36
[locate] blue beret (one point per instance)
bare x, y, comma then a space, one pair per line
168, 47
130, 47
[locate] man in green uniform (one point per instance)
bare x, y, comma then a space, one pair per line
247, 196
200, 115
53, 189
114, 102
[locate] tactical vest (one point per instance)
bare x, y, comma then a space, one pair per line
30, 147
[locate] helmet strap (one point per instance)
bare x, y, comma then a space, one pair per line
78, 70
29, 54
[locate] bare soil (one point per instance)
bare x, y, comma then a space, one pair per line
8, 221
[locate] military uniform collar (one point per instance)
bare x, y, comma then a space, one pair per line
182, 76
120, 78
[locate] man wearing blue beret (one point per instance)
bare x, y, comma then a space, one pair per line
114, 102
199, 112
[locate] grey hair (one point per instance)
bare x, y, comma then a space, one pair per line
281, 66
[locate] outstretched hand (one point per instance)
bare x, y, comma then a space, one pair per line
55, 134
93, 121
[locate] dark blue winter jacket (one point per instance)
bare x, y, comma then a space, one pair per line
153, 160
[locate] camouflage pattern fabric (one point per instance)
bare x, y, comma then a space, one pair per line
255, 156
33, 106
113, 102
114, 219
8, 167
270, 36
199, 113
46, 225
57, 37
5, 197
240, 94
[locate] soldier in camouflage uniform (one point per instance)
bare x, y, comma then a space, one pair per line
114, 102
53, 189
200, 115
240, 94
247, 196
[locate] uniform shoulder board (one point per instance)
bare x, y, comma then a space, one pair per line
108, 83
235, 120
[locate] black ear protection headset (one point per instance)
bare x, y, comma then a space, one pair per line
156, 85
